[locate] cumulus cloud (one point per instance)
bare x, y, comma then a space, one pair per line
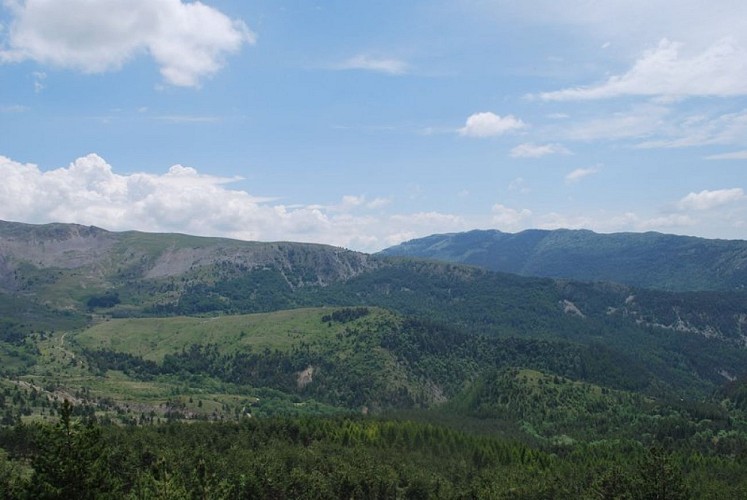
488, 124
579, 174
188, 41
706, 200
719, 70
89, 191
365, 62
528, 150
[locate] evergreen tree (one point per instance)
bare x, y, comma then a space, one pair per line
69, 462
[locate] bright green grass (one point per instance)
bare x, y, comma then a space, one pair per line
153, 338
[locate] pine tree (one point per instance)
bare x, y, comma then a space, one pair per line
69, 462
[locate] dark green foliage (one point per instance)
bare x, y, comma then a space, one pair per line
736, 392
346, 315
136, 366
12, 332
70, 460
12, 484
107, 300
345, 458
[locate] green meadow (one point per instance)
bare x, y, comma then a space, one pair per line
153, 338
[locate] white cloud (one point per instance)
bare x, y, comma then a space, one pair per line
509, 218
89, 191
579, 174
706, 200
719, 70
350, 202
189, 41
736, 155
353, 202
489, 124
528, 150
378, 64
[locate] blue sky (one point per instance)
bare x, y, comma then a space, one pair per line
363, 124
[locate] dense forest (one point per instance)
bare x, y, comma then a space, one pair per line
340, 457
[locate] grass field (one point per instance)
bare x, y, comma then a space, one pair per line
153, 338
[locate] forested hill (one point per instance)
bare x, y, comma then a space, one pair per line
648, 260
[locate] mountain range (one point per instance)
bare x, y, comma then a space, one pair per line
140, 328
648, 260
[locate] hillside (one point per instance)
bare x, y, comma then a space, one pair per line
62, 266
647, 260
375, 352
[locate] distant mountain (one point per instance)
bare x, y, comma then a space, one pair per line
648, 260
62, 277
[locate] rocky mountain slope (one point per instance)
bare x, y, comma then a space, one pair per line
60, 264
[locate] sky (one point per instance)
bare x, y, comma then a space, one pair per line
364, 124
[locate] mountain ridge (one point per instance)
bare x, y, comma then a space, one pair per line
648, 260
97, 259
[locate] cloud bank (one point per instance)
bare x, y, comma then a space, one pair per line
188, 41
88, 191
